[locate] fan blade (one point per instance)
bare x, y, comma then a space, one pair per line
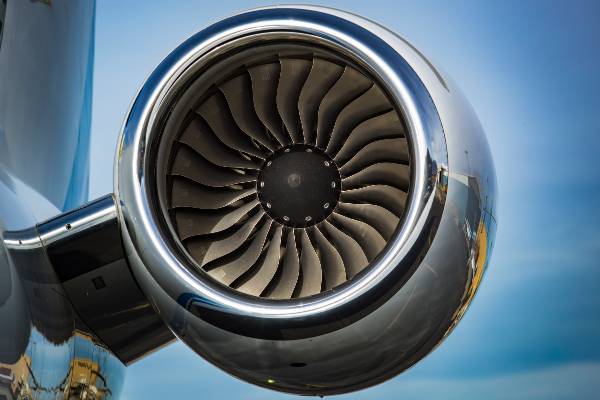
332, 264
353, 255
372, 102
265, 80
191, 165
390, 150
292, 77
385, 173
195, 223
378, 217
186, 193
231, 270
382, 195
365, 235
321, 78
311, 268
238, 93
290, 270
205, 252
216, 113
383, 126
266, 269
199, 137
350, 85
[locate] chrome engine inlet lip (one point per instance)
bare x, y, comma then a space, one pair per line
144, 236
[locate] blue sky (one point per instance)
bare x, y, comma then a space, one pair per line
531, 71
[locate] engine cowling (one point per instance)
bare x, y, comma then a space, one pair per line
305, 200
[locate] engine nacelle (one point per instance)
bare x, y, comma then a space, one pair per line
304, 199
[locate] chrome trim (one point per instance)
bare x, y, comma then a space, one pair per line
73, 223
63, 227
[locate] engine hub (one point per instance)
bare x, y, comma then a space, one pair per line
299, 186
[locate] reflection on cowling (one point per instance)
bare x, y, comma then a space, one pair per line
479, 226
95, 372
80, 368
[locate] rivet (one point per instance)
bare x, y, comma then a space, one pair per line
326, 163
269, 163
326, 205
268, 205
332, 184
286, 218
262, 184
307, 218
286, 151
309, 150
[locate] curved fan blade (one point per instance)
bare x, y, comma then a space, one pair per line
238, 93
368, 238
353, 255
378, 217
186, 193
382, 195
311, 269
199, 137
334, 273
390, 150
216, 113
290, 270
350, 85
205, 252
231, 270
191, 165
292, 77
384, 126
372, 102
194, 223
265, 80
266, 269
385, 173
321, 78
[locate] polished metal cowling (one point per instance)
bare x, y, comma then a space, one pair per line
384, 319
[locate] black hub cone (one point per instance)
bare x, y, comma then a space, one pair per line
299, 186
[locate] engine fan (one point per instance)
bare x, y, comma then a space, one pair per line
289, 173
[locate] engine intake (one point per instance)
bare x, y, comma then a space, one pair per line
286, 168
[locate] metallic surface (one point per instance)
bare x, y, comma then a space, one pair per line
57, 39
46, 64
378, 325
